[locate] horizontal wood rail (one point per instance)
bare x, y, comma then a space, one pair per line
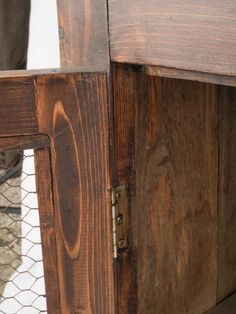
24, 142
190, 75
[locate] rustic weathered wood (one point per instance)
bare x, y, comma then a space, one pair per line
191, 75
175, 207
124, 83
124, 98
73, 111
83, 33
47, 227
17, 106
226, 307
190, 35
171, 263
14, 143
227, 195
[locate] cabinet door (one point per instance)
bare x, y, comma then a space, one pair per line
64, 118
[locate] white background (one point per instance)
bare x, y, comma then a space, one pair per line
43, 49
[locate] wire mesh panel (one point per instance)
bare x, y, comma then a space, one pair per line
22, 287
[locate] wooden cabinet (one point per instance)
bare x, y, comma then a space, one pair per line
138, 208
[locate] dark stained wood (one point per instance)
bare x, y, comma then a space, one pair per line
187, 34
124, 89
191, 75
124, 97
47, 227
17, 106
83, 33
226, 307
23, 142
175, 207
73, 111
227, 195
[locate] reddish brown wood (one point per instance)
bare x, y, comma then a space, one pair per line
17, 106
190, 35
24, 142
124, 92
48, 232
83, 33
228, 306
73, 111
191, 75
171, 263
227, 195
176, 197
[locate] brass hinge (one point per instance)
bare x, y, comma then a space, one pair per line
119, 219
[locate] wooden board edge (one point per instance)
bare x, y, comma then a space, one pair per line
47, 228
35, 141
190, 75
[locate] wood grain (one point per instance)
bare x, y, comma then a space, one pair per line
23, 142
73, 111
228, 306
124, 97
47, 228
227, 195
17, 106
191, 75
83, 33
175, 207
188, 34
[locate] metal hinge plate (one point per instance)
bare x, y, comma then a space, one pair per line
119, 219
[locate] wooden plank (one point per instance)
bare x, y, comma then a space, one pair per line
30, 73
227, 195
17, 106
47, 227
83, 33
73, 111
175, 207
188, 34
23, 142
191, 75
124, 93
226, 307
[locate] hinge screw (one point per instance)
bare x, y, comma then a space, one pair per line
121, 244
118, 196
119, 219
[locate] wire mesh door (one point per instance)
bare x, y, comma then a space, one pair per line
21, 265
22, 275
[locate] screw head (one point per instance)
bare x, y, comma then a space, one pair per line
118, 196
119, 219
121, 244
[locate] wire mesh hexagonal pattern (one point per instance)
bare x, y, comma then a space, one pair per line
22, 288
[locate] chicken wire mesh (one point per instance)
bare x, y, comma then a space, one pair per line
22, 288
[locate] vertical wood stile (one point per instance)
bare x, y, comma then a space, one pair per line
73, 111
47, 227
